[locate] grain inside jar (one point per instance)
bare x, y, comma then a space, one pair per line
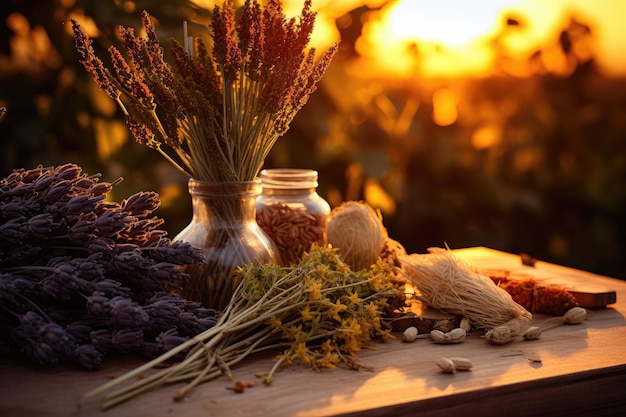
290, 211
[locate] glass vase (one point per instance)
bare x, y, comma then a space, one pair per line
224, 226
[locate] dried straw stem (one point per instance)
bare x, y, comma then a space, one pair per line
449, 285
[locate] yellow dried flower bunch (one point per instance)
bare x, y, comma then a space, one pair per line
318, 312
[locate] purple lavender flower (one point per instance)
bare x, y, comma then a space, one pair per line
169, 339
111, 288
82, 204
206, 323
98, 305
77, 293
8, 290
179, 252
57, 338
67, 171
31, 322
101, 244
111, 222
21, 253
141, 204
56, 191
126, 313
44, 181
187, 324
64, 313
165, 272
44, 354
130, 262
80, 331
102, 339
54, 287
128, 339
22, 190
11, 231
89, 268
88, 356
164, 314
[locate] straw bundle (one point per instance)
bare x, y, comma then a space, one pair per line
451, 286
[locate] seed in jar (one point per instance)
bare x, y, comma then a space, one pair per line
293, 230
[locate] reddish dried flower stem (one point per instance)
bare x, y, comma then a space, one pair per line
215, 115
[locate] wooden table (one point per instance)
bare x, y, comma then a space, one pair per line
582, 372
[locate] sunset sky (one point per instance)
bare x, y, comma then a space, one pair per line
461, 25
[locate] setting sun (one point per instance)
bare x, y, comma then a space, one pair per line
453, 23
455, 37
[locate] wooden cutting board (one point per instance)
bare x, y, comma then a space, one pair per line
577, 282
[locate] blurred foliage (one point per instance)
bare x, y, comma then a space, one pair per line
533, 164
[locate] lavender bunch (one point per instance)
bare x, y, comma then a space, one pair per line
82, 277
214, 114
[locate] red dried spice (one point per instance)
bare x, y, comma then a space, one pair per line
534, 296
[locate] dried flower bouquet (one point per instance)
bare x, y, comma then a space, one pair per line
214, 115
319, 313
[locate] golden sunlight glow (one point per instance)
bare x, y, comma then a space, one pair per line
110, 137
454, 23
445, 38
486, 136
377, 197
455, 37
445, 110
451, 38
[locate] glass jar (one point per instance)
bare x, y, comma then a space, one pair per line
224, 226
291, 212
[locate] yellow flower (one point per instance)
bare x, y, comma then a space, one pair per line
377, 325
372, 309
386, 334
274, 322
337, 309
314, 289
352, 326
383, 303
329, 360
292, 333
302, 352
381, 272
353, 298
306, 313
366, 326
328, 346
351, 345
285, 357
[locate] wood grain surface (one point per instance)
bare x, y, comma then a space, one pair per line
582, 371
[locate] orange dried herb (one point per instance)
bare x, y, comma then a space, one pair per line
534, 296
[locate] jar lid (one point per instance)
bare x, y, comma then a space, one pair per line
289, 178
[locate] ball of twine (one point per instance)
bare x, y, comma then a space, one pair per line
357, 231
